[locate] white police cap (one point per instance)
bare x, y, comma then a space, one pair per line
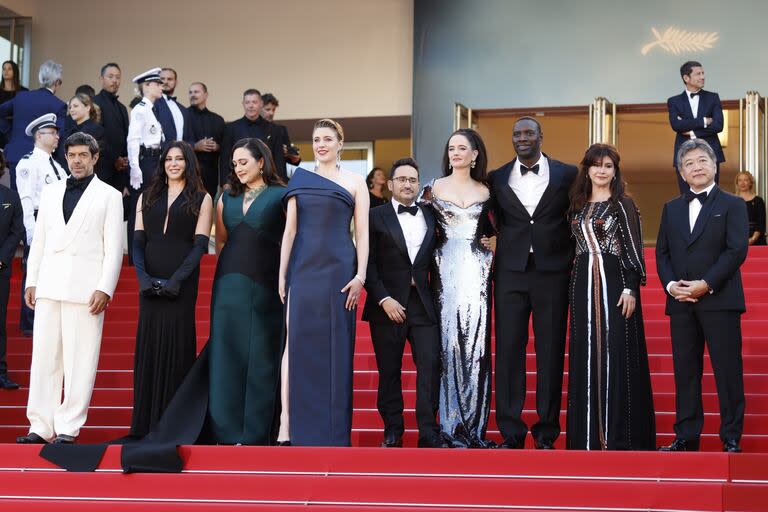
153, 75
44, 121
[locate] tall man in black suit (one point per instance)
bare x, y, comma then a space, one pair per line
11, 233
171, 114
695, 113
701, 245
534, 252
399, 306
206, 128
114, 119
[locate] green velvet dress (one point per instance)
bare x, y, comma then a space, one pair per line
245, 345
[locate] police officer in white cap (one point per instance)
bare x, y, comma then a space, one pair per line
145, 141
34, 171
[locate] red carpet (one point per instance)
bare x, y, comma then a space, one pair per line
234, 478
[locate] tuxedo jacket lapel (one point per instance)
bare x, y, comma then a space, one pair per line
393, 226
704, 214
428, 236
505, 192
79, 214
555, 178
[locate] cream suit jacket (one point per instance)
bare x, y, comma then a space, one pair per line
69, 261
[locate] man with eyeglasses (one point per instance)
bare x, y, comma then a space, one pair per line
399, 306
33, 172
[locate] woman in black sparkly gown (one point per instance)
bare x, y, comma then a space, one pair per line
610, 404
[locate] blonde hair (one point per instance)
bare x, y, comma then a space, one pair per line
748, 175
331, 124
94, 111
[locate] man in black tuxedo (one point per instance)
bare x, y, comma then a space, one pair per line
399, 306
171, 114
114, 119
534, 253
695, 113
701, 245
11, 233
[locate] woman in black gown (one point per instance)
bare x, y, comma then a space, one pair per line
173, 223
10, 85
610, 404
84, 116
745, 188
321, 275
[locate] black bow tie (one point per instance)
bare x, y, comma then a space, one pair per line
694, 94
413, 210
690, 196
524, 169
73, 183
172, 98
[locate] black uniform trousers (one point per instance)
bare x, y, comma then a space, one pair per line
518, 296
26, 315
721, 331
388, 344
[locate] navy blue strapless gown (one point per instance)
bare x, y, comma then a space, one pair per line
321, 332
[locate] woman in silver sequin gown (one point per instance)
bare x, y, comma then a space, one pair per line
610, 404
461, 285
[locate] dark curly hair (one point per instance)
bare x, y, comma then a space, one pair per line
582, 185
259, 151
193, 184
478, 172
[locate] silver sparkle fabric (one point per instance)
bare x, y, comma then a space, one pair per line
461, 284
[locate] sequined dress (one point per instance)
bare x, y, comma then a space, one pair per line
461, 285
610, 403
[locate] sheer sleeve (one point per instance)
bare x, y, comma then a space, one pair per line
631, 237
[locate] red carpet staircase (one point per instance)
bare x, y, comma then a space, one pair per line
369, 478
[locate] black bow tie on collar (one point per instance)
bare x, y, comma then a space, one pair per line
524, 170
172, 98
413, 210
694, 94
82, 183
690, 196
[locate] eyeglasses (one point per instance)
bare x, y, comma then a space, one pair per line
403, 180
52, 132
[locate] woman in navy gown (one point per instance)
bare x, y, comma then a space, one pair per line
322, 272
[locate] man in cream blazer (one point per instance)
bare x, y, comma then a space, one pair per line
72, 271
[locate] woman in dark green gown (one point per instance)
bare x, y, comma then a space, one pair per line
245, 346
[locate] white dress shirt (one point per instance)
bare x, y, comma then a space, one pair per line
531, 187
33, 172
694, 103
694, 209
178, 117
414, 229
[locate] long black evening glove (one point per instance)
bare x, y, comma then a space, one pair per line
173, 286
145, 282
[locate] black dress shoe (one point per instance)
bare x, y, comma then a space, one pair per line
31, 438
681, 445
64, 439
731, 446
392, 441
511, 444
434, 441
6, 383
283, 443
544, 444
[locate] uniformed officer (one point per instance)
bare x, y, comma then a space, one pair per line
34, 171
145, 140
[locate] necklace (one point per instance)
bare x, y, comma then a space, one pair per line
253, 193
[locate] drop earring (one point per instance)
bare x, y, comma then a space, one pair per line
473, 164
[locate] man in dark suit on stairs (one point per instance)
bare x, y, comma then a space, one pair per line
701, 245
534, 253
399, 306
695, 113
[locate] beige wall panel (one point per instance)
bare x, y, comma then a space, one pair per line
340, 58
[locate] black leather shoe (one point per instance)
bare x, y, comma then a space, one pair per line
64, 439
731, 446
392, 441
284, 443
681, 445
31, 438
511, 444
6, 383
434, 441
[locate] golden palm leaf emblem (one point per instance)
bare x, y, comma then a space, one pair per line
677, 41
